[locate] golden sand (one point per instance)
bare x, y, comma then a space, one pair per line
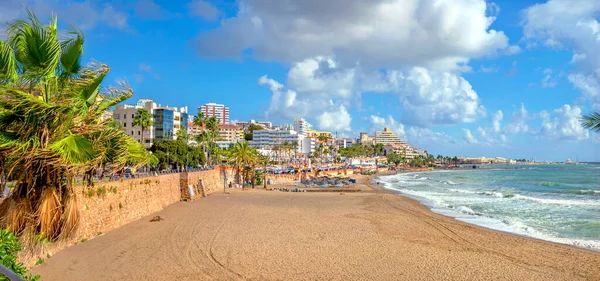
271, 235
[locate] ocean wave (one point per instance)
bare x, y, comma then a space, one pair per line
582, 191
564, 202
450, 182
548, 183
466, 210
461, 191
495, 194
519, 227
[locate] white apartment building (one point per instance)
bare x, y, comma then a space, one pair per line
270, 138
308, 145
220, 111
264, 124
301, 126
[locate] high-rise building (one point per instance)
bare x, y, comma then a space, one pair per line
387, 137
219, 111
301, 126
167, 121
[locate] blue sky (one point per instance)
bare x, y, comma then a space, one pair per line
465, 77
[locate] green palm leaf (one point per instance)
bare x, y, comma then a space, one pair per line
591, 121
72, 52
36, 47
74, 149
8, 64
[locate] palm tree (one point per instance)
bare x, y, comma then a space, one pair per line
264, 160
242, 155
212, 127
143, 119
51, 127
200, 120
591, 121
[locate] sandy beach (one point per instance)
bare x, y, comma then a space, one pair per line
271, 235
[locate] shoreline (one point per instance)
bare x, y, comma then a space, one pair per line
258, 234
429, 208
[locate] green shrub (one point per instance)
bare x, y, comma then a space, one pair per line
101, 191
9, 248
113, 189
120, 205
39, 261
90, 192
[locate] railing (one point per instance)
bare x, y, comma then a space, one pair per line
9, 274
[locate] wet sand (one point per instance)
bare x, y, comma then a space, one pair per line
272, 235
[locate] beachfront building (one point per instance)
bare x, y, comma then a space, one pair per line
219, 111
269, 138
230, 133
308, 145
194, 130
318, 134
405, 150
387, 137
166, 121
245, 125
365, 139
363, 162
301, 126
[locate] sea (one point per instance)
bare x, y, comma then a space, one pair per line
558, 203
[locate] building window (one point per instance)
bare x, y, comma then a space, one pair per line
132, 116
124, 125
125, 116
132, 133
139, 133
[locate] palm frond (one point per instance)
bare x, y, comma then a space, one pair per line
36, 48
72, 52
74, 149
8, 64
591, 121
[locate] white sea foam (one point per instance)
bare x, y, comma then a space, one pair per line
462, 191
493, 193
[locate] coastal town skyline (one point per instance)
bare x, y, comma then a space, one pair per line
519, 79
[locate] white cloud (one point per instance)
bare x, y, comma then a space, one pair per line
430, 97
138, 77
319, 75
415, 136
203, 9
518, 123
145, 67
571, 25
490, 69
565, 125
469, 136
336, 120
589, 85
379, 123
83, 14
148, 9
378, 33
496, 119
547, 81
